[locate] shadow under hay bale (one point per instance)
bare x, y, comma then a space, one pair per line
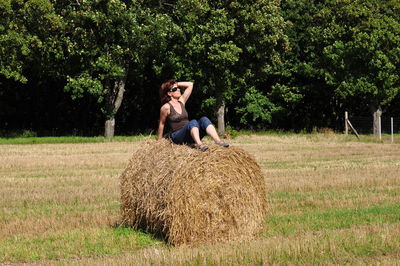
187, 196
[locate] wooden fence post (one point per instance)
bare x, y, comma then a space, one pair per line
391, 127
348, 124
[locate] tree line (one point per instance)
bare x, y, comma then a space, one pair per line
90, 67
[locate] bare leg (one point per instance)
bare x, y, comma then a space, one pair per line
194, 132
210, 130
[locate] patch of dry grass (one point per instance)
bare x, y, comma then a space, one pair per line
330, 201
59, 186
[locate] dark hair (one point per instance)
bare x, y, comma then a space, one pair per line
165, 87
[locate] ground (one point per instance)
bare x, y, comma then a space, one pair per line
331, 200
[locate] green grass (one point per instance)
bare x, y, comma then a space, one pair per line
339, 247
99, 241
332, 194
67, 139
312, 220
234, 134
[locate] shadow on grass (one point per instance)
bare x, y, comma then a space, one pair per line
144, 237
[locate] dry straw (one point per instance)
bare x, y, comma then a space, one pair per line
187, 196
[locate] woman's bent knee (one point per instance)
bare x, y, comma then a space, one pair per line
204, 122
193, 123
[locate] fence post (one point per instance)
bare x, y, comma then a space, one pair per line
380, 128
391, 127
346, 125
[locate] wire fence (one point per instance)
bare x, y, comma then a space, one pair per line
364, 125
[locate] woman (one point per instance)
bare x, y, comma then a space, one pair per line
173, 110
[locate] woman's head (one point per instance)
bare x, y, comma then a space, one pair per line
167, 90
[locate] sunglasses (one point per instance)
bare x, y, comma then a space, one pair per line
174, 89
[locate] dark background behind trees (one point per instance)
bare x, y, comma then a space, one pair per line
292, 65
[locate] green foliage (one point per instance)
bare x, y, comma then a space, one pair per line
110, 40
29, 39
364, 59
225, 46
273, 64
102, 54
343, 52
85, 83
13, 45
257, 108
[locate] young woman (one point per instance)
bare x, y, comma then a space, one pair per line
174, 112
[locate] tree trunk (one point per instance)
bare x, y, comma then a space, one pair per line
221, 118
377, 113
115, 98
109, 128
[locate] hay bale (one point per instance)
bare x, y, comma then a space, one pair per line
187, 196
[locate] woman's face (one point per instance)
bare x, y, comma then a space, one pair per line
175, 91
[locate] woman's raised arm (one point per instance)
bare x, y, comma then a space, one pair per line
188, 85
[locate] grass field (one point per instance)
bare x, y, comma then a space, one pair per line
331, 200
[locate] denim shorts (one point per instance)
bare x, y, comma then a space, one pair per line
182, 136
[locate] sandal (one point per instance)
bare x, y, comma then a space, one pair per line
202, 147
223, 144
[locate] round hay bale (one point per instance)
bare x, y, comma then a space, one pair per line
187, 196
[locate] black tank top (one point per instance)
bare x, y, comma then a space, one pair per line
177, 121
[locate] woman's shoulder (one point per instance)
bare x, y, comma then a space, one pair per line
165, 107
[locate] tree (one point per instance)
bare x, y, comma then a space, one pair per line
109, 41
226, 46
344, 57
31, 56
28, 37
363, 63
13, 45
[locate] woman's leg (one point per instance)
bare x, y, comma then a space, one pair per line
194, 132
214, 135
188, 134
183, 135
212, 132
206, 127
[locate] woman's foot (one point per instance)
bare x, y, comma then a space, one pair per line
202, 147
221, 143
